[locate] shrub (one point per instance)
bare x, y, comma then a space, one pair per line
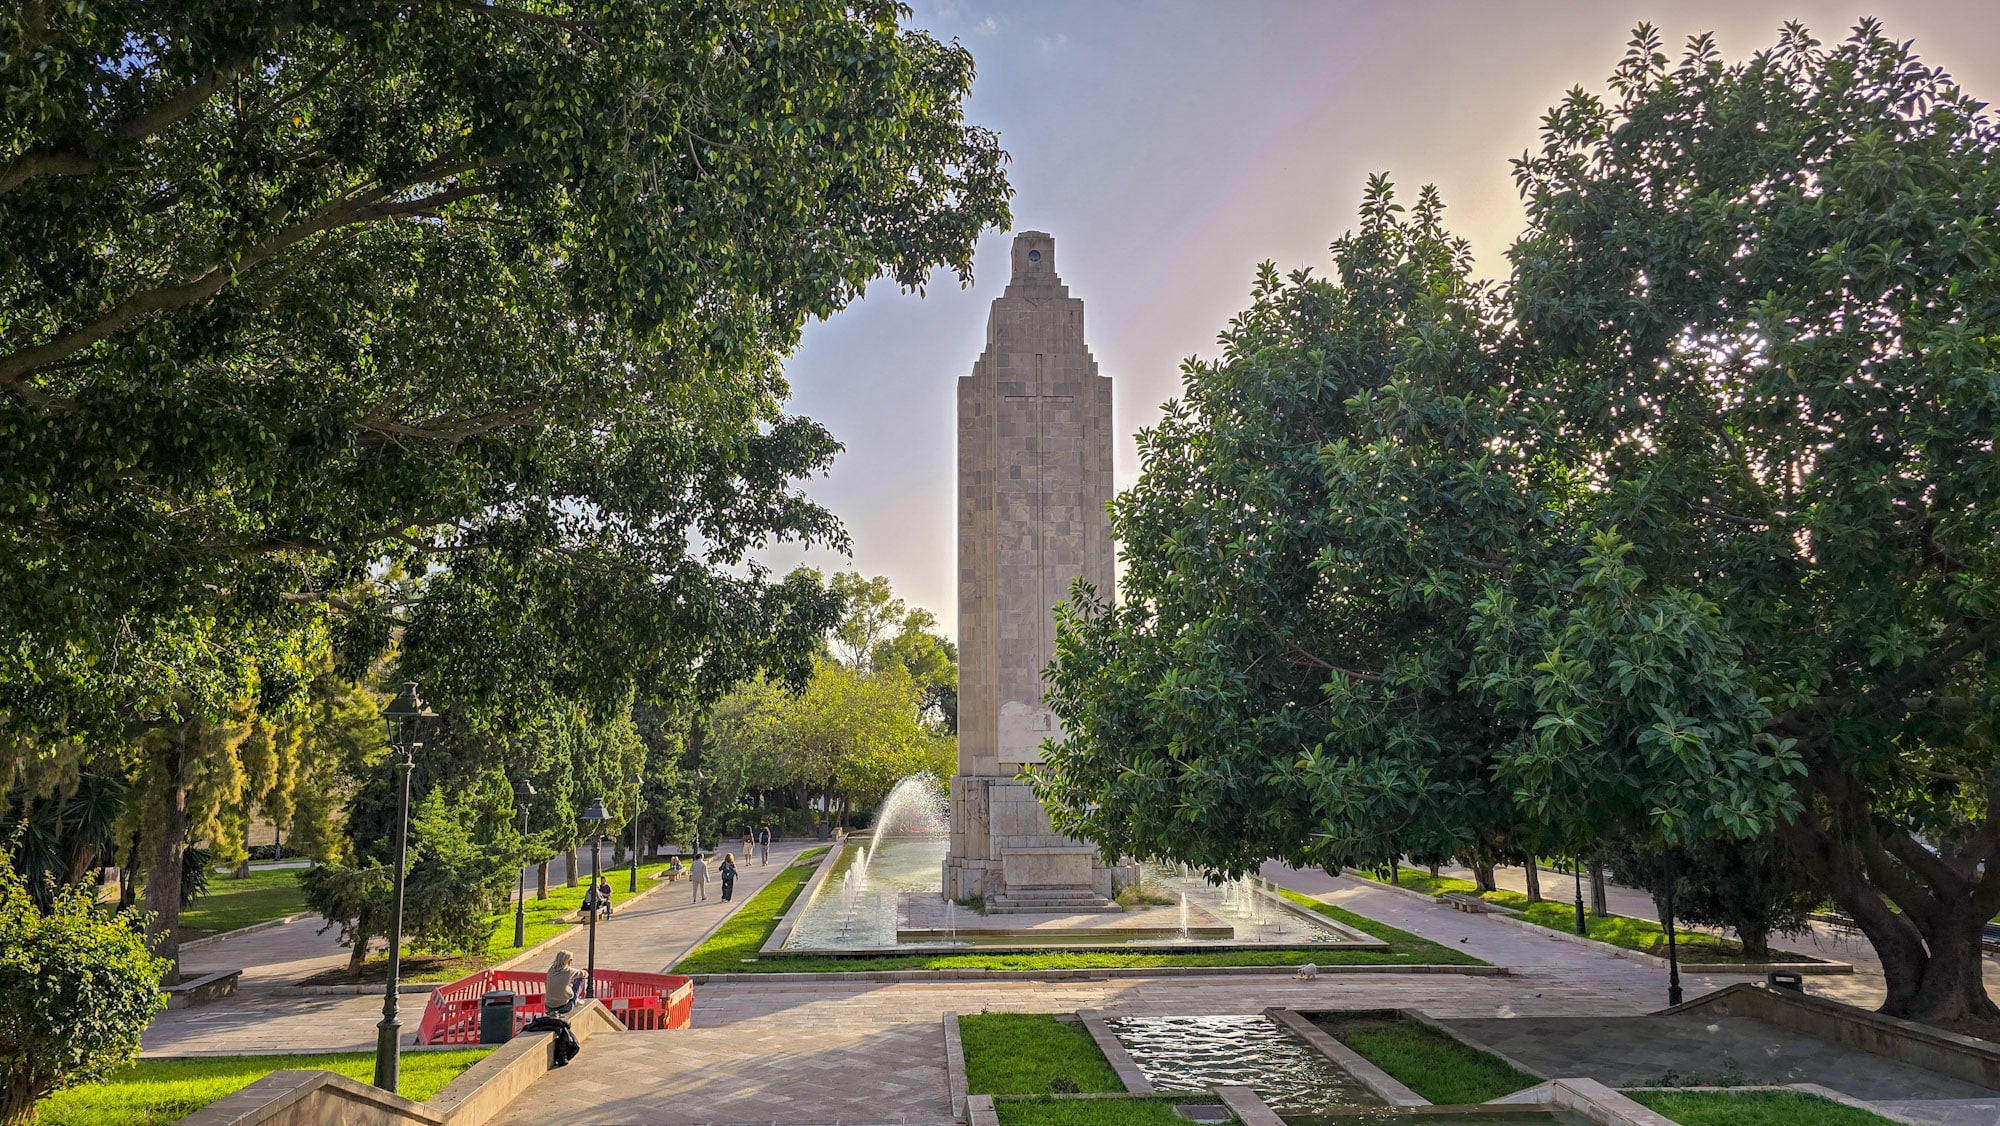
77, 986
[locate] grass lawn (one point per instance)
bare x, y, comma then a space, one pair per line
1094, 1112
1695, 947
230, 903
545, 919
160, 1091
1024, 1053
734, 947
1753, 1108
1427, 1061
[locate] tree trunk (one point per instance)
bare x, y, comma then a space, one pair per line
128, 875
1482, 876
1598, 906
163, 876
1756, 943
357, 956
542, 880
1434, 871
569, 862
1534, 881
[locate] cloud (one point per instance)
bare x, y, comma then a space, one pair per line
987, 26
1052, 45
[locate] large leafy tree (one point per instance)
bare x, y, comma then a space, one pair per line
1773, 292
493, 291
1339, 639
326, 321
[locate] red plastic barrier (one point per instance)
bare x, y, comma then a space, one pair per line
644, 1002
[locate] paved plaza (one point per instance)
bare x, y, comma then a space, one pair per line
844, 1052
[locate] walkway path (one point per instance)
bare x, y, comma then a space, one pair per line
648, 935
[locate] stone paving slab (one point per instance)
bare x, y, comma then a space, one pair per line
1946, 1112
1699, 1050
773, 1071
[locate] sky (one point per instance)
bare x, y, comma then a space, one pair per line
1170, 147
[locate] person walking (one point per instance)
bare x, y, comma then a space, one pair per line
698, 879
763, 844
729, 875
564, 987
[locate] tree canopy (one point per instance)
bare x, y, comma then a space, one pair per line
1687, 531
495, 294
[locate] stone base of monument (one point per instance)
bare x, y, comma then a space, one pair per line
922, 917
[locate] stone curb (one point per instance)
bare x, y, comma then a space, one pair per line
1106, 973
979, 1111
1407, 893
239, 932
1247, 1107
954, 1067
1121, 1061
1384, 1086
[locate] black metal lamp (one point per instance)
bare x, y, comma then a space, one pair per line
524, 793
595, 817
405, 715
638, 800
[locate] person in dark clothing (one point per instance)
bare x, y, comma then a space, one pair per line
728, 874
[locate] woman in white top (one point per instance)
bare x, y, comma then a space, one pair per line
565, 986
698, 878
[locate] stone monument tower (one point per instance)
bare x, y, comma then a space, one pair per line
1034, 476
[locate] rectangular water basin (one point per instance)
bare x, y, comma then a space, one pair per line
1204, 1052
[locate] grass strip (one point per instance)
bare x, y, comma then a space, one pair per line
1644, 935
152, 1092
1031, 1054
754, 923
1753, 1108
231, 904
1427, 1061
1138, 1111
738, 940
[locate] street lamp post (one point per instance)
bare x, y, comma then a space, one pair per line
595, 816
526, 793
638, 800
403, 713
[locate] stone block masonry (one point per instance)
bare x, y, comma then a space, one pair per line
1034, 483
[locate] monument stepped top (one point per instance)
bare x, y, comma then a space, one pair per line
1034, 261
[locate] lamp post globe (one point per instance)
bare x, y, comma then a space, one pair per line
638, 797
524, 793
404, 714
595, 817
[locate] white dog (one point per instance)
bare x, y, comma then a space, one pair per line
1308, 972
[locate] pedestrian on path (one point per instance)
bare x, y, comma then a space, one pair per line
763, 844
563, 986
698, 879
729, 875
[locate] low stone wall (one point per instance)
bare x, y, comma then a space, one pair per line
315, 1098
1588, 1099
1948, 1053
1385, 1086
202, 990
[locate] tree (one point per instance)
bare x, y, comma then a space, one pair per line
869, 611
932, 662
354, 898
1767, 292
462, 321
1754, 887
77, 987
1331, 647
